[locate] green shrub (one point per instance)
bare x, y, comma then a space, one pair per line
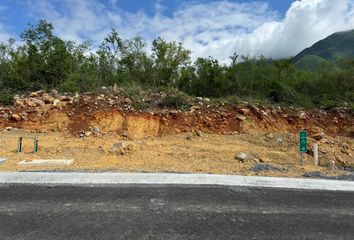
6, 98
140, 105
70, 86
175, 101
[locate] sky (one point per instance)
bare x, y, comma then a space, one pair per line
217, 28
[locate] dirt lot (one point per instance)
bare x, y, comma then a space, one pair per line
106, 133
269, 154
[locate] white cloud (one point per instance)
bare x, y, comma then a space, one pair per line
305, 23
218, 28
4, 35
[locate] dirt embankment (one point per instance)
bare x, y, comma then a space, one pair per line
106, 133
92, 113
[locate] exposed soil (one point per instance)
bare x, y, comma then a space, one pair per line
105, 133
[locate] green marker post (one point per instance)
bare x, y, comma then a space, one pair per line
302, 145
35, 149
19, 146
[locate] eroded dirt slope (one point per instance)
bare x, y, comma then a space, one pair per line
105, 133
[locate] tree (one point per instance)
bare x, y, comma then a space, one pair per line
43, 60
168, 59
210, 80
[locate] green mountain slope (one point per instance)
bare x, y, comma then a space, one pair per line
332, 48
313, 63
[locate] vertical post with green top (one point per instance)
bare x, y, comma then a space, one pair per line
19, 146
35, 149
302, 145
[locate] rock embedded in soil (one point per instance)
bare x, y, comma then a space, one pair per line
130, 147
15, 117
88, 133
241, 118
345, 151
56, 103
47, 99
243, 111
96, 131
261, 167
118, 144
318, 136
302, 115
198, 133
242, 157
37, 102
54, 93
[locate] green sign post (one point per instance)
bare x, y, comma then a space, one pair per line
303, 145
35, 149
19, 146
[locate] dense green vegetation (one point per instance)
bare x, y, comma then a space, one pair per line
44, 61
313, 63
333, 48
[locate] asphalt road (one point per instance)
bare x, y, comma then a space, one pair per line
173, 212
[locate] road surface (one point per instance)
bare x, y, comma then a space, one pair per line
173, 212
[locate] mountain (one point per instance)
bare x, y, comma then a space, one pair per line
329, 50
313, 63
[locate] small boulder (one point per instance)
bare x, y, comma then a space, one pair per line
242, 157
318, 136
241, 118
302, 115
345, 151
66, 99
243, 111
88, 133
119, 145
34, 94
47, 99
198, 133
54, 93
30, 103
130, 147
125, 134
38, 102
15, 117
270, 135
19, 103
96, 130
56, 103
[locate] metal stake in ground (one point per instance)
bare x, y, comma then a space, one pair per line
303, 145
19, 146
35, 149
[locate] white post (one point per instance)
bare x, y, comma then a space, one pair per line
332, 166
315, 154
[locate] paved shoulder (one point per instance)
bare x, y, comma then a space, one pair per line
173, 212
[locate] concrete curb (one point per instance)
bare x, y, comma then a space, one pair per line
62, 179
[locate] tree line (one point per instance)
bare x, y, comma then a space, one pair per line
42, 60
